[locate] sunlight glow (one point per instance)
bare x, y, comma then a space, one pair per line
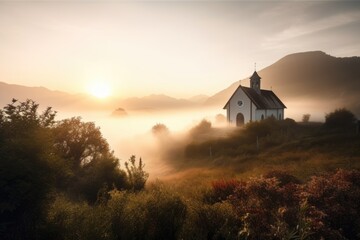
99, 89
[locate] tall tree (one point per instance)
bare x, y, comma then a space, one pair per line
26, 173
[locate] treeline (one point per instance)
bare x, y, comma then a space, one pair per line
41, 157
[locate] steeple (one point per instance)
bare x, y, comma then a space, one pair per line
255, 82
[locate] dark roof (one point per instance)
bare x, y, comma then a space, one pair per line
255, 76
267, 99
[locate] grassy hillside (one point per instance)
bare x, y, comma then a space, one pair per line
299, 148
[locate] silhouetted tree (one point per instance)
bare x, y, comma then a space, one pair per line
26, 168
160, 129
92, 163
340, 119
79, 142
306, 118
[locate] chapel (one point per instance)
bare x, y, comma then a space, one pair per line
252, 103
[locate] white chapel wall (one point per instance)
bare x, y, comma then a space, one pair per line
235, 108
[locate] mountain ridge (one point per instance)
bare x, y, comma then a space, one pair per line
307, 76
314, 76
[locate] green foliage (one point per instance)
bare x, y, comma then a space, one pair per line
99, 174
153, 214
210, 221
91, 163
80, 142
78, 220
136, 175
26, 168
38, 157
340, 119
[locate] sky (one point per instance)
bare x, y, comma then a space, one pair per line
176, 48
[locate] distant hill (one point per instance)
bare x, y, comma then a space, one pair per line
309, 76
45, 97
64, 101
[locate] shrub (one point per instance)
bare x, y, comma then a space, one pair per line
153, 214
210, 221
78, 220
202, 128
306, 118
340, 119
160, 129
136, 175
263, 206
337, 197
26, 168
221, 190
283, 177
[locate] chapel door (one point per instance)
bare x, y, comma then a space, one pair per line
239, 120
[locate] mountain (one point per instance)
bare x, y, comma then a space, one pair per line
309, 77
45, 97
62, 101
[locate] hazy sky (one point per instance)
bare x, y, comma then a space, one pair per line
178, 48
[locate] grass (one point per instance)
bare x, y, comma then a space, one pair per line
301, 149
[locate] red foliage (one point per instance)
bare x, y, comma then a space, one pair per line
278, 205
222, 189
337, 197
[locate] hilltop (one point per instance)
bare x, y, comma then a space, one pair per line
314, 77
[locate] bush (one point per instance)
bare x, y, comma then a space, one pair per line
153, 214
160, 129
337, 197
27, 168
306, 118
210, 221
221, 190
340, 119
78, 220
202, 128
136, 175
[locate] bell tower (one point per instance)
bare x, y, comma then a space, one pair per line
255, 82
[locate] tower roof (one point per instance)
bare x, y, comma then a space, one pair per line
255, 76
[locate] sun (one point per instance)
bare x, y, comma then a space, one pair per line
99, 89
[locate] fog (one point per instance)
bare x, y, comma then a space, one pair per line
132, 134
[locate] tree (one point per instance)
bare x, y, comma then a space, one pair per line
80, 142
88, 155
160, 129
26, 167
340, 119
306, 118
